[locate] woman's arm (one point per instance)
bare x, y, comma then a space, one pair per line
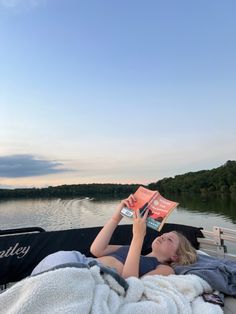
100, 246
131, 266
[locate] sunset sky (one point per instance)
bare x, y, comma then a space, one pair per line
121, 91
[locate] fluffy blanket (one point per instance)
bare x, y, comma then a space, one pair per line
86, 290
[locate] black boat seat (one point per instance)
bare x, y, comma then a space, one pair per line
21, 252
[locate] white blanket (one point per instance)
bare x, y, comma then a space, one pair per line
82, 290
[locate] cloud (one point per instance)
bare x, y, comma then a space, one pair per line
19, 166
21, 3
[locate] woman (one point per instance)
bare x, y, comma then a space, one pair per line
168, 249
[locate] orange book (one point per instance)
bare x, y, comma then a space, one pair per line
159, 207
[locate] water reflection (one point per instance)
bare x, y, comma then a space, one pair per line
57, 214
220, 204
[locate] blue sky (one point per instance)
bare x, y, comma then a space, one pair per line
115, 91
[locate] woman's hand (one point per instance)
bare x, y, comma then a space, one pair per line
131, 266
128, 202
139, 225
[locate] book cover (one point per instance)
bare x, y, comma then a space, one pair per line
159, 207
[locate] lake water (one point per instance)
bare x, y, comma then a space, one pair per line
58, 214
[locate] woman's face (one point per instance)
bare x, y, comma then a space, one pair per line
166, 245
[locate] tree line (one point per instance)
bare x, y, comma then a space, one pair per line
75, 190
221, 180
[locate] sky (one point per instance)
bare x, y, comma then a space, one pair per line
124, 91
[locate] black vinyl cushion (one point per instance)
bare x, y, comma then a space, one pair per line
14, 265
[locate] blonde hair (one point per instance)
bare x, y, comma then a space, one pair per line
185, 252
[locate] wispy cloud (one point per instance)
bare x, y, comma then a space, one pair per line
21, 3
16, 166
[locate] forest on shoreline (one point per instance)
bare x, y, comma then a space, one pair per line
217, 180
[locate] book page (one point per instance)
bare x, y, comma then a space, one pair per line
159, 209
143, 197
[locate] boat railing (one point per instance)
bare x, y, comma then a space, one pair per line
214, 244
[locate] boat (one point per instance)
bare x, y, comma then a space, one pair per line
23, 248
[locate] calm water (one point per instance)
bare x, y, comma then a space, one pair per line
57, 214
